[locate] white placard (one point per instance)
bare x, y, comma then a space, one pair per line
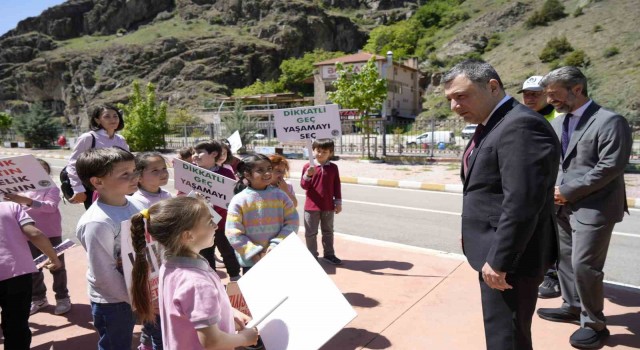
152, 253
215, 188
314, 309
21, 174
302, 123
235, 141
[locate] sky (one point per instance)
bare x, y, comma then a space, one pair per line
14, 11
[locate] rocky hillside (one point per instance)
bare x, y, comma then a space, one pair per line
89, 51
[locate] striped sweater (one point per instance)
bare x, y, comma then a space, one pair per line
259, 219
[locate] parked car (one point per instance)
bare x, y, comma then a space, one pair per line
434, 137
468, 131
258, 136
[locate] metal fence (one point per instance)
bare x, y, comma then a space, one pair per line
378, 138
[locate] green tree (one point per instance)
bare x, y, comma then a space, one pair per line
552, 10
5, 123
38, 126
363, 90
145, 120
294, 71
259, 87
401, 38
182, 117
243, 123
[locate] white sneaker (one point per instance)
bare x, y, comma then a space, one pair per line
36, 305
62, 306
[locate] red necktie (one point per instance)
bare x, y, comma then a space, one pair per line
474, 142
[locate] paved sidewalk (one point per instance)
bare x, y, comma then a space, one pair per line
433, 177
406, 298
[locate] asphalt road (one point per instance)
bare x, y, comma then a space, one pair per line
422, 219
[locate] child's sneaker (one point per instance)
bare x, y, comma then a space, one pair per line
332, 259
36, 305
62, 306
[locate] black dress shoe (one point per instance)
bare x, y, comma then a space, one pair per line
587, 338
558, 315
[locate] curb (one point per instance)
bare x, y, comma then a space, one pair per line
414, 185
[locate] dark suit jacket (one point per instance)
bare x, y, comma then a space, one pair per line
591, 175
507, 217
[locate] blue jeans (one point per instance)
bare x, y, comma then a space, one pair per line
114, 323
152, 334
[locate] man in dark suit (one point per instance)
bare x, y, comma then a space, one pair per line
508, 223
590, 193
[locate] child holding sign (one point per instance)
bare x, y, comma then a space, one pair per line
16, 269
260, 216
194, 307
207, 155
324, 198
42, 206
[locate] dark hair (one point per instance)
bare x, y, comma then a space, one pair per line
143, 160
245, 167
97, 112
168, 219
185, 152
568, 77
210, 146
99, 162
477, 71
327, 144
225, 144
45, 165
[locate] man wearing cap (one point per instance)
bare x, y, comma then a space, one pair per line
533, 97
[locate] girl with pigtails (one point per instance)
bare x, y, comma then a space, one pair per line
259, 216
195, 310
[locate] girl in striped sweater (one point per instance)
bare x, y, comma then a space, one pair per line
259, 216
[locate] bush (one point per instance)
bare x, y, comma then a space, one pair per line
597, 28
145, 121
554, 49
578, 12
577, 59
552, 10
611, 51
38, 126
182, 117
493, 42
5, 123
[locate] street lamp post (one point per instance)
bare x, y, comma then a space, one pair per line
385, 68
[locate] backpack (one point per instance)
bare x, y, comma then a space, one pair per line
65, 182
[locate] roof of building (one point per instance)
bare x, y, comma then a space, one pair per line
358, 57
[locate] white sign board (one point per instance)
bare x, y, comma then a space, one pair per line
314, 309
215, 188
307, 123
152, 253
330, 72
235, 141
21, 174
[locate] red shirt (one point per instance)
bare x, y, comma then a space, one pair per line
323, 189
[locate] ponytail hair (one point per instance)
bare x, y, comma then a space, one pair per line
245, 168
165, 223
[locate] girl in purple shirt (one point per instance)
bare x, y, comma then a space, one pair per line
194, 308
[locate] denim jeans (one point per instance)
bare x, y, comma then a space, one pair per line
59, 276
114, 323
15, 301
152, 334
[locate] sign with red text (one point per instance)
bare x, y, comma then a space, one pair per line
215, 188
21, 174
307, 123
152, 253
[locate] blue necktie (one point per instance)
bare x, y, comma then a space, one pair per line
566, 135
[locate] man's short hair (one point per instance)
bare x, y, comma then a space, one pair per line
99, 162
478, 71
327, 144
568, 77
